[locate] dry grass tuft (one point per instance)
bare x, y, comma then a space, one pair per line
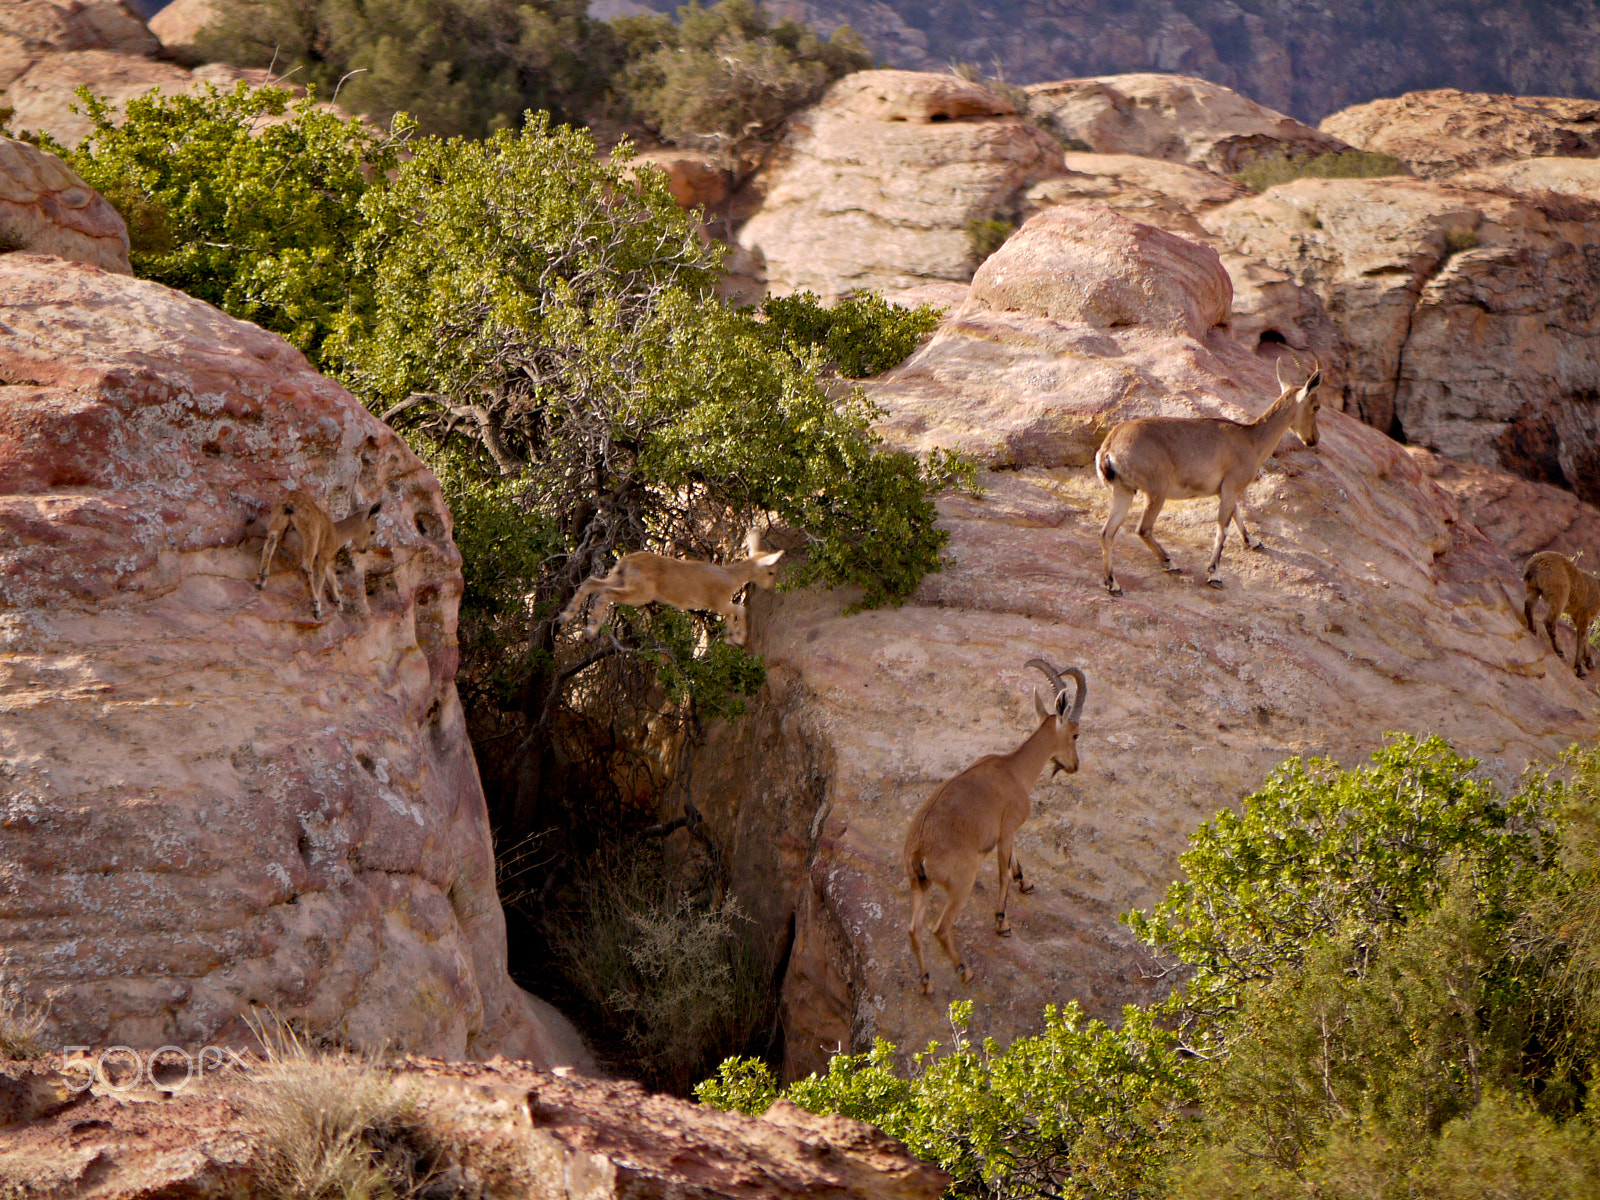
22, 1026
334, 1125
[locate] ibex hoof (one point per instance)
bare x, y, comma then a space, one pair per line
927, 984
1214, 582
1024, 888
1113, 587
965, 973
1171, 568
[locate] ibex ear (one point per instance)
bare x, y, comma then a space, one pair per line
1311, 384
1061, 705
1038, 705
373, 511
766, 560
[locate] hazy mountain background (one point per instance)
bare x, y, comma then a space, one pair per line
1304, 57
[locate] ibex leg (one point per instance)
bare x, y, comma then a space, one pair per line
957, 892
1121, 499
1147, 530
919, 906
1227, 499
1003, 858
1555, 604
1238, 519
274, 535
1583, 653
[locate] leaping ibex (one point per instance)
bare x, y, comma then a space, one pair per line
645, 578
1181, 458
980, 810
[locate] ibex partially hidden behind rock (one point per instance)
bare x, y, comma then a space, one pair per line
320, 543
1181, 458
1566, 589
981, 810
645, 578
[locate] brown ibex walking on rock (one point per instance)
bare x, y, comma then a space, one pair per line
1181, 458
644, 578
320, 543
980, 810
1566, 589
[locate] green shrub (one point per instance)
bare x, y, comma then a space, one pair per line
246, 199
985, 237
863, 335
1079, 1110
725, 78
457, 66
1273, 169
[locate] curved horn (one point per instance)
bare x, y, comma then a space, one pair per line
1051, 672
1083, 690
1277, 371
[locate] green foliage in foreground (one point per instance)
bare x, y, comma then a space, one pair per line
247, 199
1394, 992
1273, 169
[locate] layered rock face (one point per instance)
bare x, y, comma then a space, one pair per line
1175, 118
882, 179
1438, 133
506, 1131
1374, 606
210, 801
46, 209
1470, 316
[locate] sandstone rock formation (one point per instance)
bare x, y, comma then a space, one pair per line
1471, 316
507, 1132
1568, 176
1518, 515
210, 801
1440, 132
883, 178
178, 23
46, 209
1375, 606
1174, 118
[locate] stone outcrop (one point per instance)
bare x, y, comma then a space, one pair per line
1471, 316
1566, 176
1375, 605
178, 23
33, 26
46, 209
1441, 132
882, 180
505, 1131
1518, 515
1174, 118
210, 801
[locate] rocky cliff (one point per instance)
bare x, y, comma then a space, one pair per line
1376, 605
210, 800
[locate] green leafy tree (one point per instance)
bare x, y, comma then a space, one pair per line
725, 78
457, 66
246, 199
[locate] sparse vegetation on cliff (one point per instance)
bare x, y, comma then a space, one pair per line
1393, 989
1274, 169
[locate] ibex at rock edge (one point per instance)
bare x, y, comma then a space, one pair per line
980, 810
1181, 458
320, 542
1566, 588
644, 578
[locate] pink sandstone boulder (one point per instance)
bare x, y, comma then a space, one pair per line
46, 209
211, 801
1175, 118
178, 23
1376, 605
1437, 133
1565, 176
880, 182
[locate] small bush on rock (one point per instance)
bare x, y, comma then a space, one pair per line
1273, 169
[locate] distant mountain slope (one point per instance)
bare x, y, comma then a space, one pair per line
1304, 57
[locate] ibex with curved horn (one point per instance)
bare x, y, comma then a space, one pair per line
980, 810
1181, 458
